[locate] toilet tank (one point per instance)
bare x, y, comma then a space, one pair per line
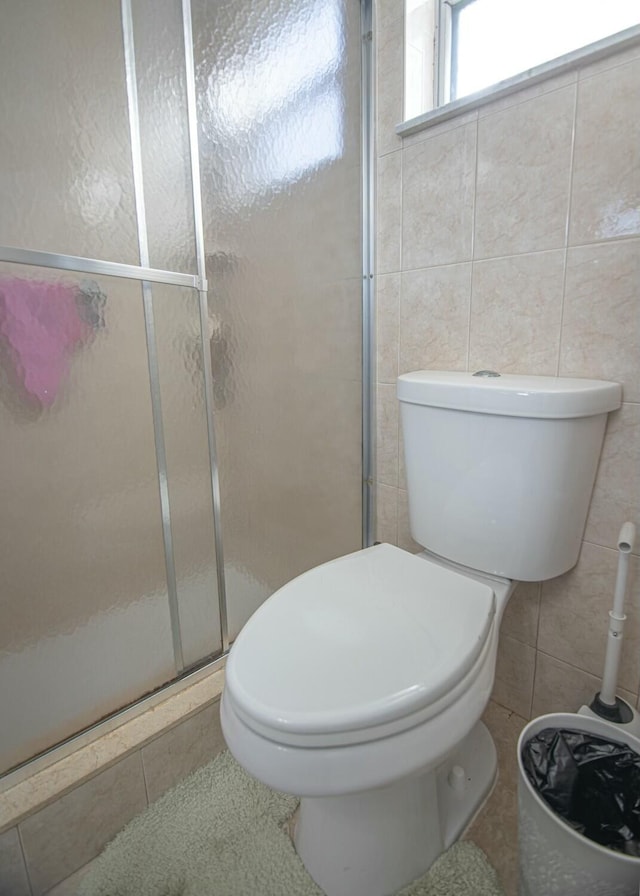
500, 469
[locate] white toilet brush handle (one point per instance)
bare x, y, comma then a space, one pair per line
617, 617
626, 541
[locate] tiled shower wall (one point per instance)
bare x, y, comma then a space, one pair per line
509, 238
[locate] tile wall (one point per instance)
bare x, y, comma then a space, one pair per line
50, 845
509, 238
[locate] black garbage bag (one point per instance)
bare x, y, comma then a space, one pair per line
593, 783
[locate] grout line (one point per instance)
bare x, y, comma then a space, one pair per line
508, 709
535, 653
144, 775
398, 353
439, 129
481, 259
396, 525
606, 547
401, 234
24, 859
585, 75
567, 230
473, 242
596, 675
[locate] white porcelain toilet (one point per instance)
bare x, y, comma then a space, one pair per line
359, 685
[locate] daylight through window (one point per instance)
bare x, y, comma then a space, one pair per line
457, 47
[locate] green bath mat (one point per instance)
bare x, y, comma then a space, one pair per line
221, 833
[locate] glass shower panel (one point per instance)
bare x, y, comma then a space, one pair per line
84, 620
278, 86
177, 326
67, 184
164, 134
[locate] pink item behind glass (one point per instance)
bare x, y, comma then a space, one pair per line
40, 321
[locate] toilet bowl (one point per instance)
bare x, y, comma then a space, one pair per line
359, 686
370, 713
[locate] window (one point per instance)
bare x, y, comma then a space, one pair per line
455, 48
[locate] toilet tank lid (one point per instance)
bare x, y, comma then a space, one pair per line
510, 394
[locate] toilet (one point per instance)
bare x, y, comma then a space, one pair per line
359, 685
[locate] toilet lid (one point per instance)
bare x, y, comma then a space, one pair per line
363, 640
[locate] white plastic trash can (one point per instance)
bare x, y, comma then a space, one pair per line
555, 860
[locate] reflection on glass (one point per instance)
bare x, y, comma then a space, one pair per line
281, 106
304, 49
279, 114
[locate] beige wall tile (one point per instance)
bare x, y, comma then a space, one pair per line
434, 318
387, 441
516, 312
559, 687
62, 775
601, 323
529, 92
13, 874
389, 213
389, 74
609, 62
405, 541
386, 514
524, 158
515, 667
616, 495
437, 199
605, 202
402, 466
69, 886
574, 616
182, 750
64, 836
520, 620
441, 128
387, 316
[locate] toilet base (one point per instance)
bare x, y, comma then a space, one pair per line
374, 842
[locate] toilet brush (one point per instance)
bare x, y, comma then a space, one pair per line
606, 705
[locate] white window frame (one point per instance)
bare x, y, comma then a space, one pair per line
445, 37
445, 108
446, 51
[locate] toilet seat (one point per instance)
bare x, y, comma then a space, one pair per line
383, 639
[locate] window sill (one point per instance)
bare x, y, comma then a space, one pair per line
591, 53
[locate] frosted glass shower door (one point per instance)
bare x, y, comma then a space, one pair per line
279, 93
112, 527
86, 626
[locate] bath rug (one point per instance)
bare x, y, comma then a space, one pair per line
222, 833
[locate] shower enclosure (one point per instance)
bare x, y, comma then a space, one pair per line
183, 247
